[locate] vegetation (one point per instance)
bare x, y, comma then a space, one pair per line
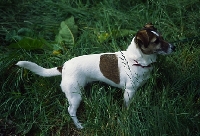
50, 32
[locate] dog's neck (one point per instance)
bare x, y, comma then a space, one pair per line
135, 54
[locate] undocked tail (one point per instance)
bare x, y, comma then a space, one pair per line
40, 70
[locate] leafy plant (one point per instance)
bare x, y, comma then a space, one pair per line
68, 32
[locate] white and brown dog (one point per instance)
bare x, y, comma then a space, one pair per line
124, 69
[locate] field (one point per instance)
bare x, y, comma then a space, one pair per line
50, 32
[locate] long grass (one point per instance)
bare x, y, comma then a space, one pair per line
168, 104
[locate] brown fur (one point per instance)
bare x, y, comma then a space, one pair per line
109, 67
150, 26
59, 69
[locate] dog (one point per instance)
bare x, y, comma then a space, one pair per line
127, 70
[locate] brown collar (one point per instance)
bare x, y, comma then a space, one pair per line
137, 64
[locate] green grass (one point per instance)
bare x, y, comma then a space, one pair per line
168, 104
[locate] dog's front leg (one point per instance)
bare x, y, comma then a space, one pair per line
128, 95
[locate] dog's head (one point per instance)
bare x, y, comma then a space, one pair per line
150, 41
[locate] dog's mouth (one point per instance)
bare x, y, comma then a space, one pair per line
169, 50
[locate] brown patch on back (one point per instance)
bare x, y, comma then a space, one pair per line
59, 69
109, 67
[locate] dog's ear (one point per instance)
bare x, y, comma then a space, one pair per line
142, 39
149, 26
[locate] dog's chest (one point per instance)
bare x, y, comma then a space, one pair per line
133, 75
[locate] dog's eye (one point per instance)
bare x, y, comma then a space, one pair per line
156, 41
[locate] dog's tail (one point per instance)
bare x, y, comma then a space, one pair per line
40, 70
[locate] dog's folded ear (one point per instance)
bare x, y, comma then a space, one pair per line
142, 39
149, 26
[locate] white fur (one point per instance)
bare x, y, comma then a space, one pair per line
79, 71
155, 33
38, 69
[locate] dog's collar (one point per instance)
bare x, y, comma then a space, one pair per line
138, 64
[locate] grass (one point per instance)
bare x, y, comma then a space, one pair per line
168, 104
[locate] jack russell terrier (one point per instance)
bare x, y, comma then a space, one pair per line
124, 69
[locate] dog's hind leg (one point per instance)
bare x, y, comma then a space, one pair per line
74, 98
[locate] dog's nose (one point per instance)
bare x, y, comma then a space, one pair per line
173, 47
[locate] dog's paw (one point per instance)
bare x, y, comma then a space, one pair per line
79, 125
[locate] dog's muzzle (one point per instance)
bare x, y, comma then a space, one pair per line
171, 49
